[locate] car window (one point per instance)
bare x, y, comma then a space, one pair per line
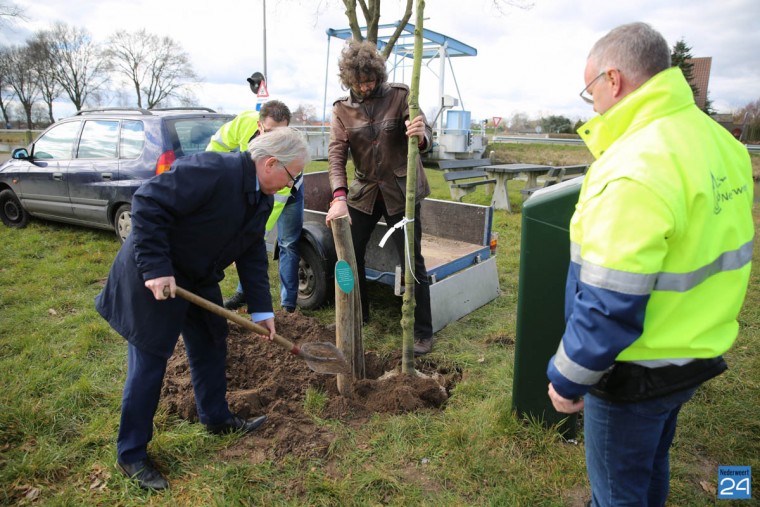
99, 139
132, 139
58, 142
191, 135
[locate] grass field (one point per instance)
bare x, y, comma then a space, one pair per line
62, 369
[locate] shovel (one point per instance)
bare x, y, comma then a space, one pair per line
320, 357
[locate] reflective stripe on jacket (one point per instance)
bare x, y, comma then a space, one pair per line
235, 135
661, 237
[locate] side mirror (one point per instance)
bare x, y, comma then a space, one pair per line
20, 154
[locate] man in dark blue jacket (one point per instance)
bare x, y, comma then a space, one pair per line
188, 225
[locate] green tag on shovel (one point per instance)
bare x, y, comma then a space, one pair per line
344, 276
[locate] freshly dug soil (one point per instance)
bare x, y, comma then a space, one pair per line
263, 378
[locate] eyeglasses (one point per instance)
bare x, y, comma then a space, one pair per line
588, 98
286, 170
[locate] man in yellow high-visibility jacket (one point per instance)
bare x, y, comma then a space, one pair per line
661, 250
288, 203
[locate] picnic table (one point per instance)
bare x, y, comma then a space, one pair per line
502, 173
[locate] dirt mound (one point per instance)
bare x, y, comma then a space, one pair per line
262, 378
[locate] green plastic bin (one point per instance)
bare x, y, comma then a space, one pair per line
544, 258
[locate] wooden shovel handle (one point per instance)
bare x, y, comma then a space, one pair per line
235, 317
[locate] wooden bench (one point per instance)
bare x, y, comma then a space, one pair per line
556, 175
464, 177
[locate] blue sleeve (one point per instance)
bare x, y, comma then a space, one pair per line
601, 323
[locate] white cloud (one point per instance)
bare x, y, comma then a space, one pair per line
528, 60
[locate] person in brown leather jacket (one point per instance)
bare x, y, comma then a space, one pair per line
373, 122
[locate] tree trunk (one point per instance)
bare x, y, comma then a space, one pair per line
407, 310
28, 112
137, 91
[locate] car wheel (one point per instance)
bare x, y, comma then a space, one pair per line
11, 212
312, 279
122, 222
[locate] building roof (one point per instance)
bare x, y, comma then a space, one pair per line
701, 74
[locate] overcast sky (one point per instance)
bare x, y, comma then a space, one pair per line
528, 60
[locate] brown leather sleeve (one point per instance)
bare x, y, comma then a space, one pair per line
337, 153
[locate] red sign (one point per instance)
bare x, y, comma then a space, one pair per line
262, 90
496, 121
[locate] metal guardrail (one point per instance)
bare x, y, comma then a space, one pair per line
544, 140
753, 148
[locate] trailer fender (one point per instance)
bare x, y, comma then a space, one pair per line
315, 270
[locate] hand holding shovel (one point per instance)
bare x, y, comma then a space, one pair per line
320, 357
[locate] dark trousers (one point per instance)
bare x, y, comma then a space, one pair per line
362, 226
145, 375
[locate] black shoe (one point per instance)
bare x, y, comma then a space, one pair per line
236, 423
289, 309
144, 473
423, 346
236, 301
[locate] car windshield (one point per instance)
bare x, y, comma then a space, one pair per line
191, 135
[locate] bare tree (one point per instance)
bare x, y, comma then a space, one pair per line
22, 77
50, 88
157, 68
77, 62
6, 91
169, 72
9, 13
370, 10
304, 114
129, 53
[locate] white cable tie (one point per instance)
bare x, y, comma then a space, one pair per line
401, 223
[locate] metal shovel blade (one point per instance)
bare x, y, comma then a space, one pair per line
324, 358
320, 357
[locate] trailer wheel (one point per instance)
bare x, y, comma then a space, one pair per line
12, 213
312, 278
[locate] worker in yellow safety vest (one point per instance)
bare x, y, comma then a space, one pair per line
661, 250
288, 203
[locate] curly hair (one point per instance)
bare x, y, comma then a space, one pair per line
361, 61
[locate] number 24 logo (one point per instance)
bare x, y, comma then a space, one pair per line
728, 486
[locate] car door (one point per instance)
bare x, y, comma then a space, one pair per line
93, 171
44, 186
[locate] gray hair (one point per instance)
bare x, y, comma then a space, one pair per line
286, 144
637, 49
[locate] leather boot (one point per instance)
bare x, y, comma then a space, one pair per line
423, 346
144, 473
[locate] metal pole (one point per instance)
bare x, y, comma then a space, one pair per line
266, 76
442, 53
324, 100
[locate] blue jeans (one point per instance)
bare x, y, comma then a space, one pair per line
289, 227
627, 448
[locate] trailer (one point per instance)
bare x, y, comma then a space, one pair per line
456, 243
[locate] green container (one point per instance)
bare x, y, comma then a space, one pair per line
544, 259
